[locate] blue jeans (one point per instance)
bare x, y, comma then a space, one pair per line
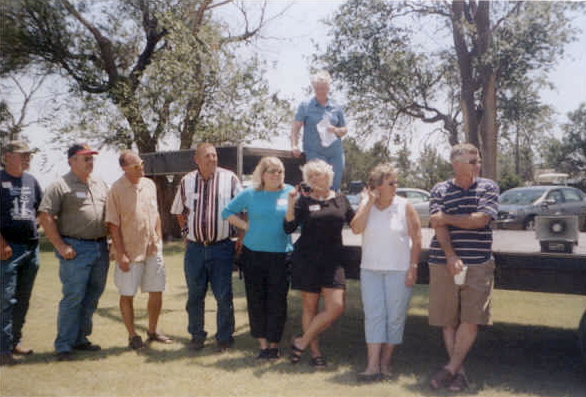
333, 155
213, 265
83, 279
17, 278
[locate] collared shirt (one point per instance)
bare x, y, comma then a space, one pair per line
20, 198
133, 208
473, 246
310, 113
80, 208
202, 202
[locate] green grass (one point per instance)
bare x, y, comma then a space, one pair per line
530, 351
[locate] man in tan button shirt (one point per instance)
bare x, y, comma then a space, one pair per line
135, 227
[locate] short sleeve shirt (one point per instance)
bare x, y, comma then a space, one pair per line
310, 113
201, 202
20, 199
321, 224
133, 208
80, 208
473, 246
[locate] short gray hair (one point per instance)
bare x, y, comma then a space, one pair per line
379, 173
317, 166
321, 76
463, 148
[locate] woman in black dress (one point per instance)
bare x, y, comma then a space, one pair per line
317, 257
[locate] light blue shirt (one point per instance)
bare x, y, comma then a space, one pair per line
310, 113
266, 213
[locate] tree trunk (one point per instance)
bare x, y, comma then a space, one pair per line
489, 128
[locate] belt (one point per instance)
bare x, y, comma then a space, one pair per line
95, 240
210, 243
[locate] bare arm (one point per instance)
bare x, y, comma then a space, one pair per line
50, 227
121, 256
414, 230
358, 223
475, 220
238, 222
6, 252
295, 129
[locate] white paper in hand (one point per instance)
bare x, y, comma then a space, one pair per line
327, 138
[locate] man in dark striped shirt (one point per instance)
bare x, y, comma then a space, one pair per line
461, 212
209, 253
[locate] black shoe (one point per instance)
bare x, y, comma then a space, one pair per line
64, 356
87, 347
225, 345
274, 353
135, 343
7, 359
263, 354
196, 344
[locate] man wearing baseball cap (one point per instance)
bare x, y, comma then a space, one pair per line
20, 195
73, 215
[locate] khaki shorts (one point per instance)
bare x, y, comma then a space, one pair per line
451, 304
150, 275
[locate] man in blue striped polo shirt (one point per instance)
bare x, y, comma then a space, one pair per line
461, 211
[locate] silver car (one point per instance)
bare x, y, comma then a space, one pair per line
419, 198
519, 206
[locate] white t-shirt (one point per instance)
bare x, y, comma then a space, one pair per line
386, 244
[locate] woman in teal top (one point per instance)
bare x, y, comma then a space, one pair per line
264, 252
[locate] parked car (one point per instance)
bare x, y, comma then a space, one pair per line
419, 198
519, 206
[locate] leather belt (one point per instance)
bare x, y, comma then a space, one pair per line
210, 243
95, 240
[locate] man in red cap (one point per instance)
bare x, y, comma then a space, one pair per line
20, 195
73, 215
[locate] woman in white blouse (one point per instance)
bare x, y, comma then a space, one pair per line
391, 244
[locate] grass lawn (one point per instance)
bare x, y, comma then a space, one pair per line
531, 350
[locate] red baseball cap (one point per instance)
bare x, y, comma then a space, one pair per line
80, 148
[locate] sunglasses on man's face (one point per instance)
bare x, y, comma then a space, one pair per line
137, 166
471, 161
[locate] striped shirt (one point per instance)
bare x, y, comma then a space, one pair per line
201, 203
473, 246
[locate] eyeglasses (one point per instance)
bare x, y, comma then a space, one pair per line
472, 161
137, 166
274, 171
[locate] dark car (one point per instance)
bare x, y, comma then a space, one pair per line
519, 206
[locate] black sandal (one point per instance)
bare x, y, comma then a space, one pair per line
295, 353
318, 362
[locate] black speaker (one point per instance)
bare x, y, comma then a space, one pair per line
557, 233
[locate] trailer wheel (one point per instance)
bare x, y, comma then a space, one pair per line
582, 336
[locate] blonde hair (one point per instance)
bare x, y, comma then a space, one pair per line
463, 148
321, 76
379, 173
263, 165
317, 166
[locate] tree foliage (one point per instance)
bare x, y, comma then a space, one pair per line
449, 64
145, 70
569, 153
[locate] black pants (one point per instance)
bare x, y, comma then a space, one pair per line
267, 284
